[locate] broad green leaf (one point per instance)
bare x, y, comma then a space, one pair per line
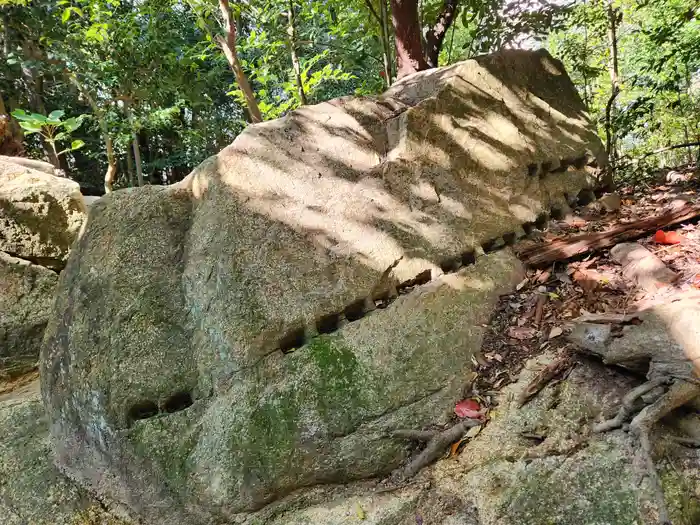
77, 144
55, 116
20, 114
30, 127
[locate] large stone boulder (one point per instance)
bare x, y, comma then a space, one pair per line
40, 214
260, 327
25, 305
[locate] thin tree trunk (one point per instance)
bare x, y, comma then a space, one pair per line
435, 36
228, 46
382, 19
130, 167
111, 173
134, 142
407, 35
614, 81
292, 33
386, 42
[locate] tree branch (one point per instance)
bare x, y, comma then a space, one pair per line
435, 36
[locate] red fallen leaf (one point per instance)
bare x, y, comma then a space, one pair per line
673, 238
662, 237
468, 408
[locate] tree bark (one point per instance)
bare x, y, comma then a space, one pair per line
614, 81
435, 36
386, 42
136, 148
228, 46
292, 33
111, 173
407, 35
562, 249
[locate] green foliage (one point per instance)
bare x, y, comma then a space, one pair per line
152, 69
659, 60
51, 128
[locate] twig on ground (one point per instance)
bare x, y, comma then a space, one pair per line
437, 443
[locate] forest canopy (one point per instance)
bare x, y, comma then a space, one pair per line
129, 92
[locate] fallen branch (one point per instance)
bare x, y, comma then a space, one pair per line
566, 248
660, 150
556, 368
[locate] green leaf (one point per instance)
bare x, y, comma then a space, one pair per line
30, 127
77, 144
66, 15
39, 118
55, 116
20, 114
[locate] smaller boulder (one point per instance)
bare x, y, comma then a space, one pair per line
40, 214
25, 303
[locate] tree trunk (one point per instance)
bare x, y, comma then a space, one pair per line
111, 173
614, 81
435, 36
228, 46
292, 33
407, 35
134, 142
382, 19
386, 42
130, 167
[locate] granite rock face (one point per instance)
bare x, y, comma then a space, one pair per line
40, 217
40, 214
257, 328
25, 306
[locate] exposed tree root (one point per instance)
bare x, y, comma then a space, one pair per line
437, 442
679, 393
628, 405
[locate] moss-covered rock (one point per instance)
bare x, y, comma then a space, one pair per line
32, 491
219, 344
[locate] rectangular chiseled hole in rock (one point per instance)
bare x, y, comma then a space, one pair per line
383, 300
468, 258
580, 162
328, 324
557, 213
451, 264
509, 238
585, 196
541, 220
355, 311
177, 402
532, 170
293, 340
563, 164
492, 245
422, 278
143, 410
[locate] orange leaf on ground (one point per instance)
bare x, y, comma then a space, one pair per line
662, 237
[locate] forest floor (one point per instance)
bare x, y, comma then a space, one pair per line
529, 321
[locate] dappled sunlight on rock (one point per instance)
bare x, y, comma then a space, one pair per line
259, 327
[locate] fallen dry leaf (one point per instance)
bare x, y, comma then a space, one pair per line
556, 332
521, 332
